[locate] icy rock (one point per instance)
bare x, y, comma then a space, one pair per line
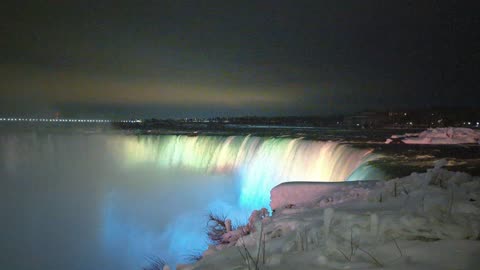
308, 194
232, 236
257, 215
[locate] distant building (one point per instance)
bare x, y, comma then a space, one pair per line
366, 119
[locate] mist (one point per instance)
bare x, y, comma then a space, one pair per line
69, 202
113, 201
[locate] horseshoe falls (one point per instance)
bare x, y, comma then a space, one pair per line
116, 200
258, 163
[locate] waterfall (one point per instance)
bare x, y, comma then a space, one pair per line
257, 163
260, 163
116, 199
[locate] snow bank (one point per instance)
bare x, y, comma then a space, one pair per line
423, 221
305, 194
438, 136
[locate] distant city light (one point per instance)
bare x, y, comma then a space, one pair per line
65, 120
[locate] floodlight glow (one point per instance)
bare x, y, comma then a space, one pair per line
247, 156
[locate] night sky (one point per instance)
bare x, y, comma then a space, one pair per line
228, 58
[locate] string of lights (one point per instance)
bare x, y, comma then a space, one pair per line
13, 119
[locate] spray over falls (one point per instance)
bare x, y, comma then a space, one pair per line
118, 199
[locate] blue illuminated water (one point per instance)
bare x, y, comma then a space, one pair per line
111, 201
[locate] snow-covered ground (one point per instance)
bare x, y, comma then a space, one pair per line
438, 136
429, 220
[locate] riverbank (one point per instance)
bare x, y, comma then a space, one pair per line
427, 220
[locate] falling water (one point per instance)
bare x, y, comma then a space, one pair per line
112, 200
261, 163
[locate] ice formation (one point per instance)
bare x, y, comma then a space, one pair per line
438, 136
426, 220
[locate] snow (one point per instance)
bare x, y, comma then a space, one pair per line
426, 220
311, 193
438, 136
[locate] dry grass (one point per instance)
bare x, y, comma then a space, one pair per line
216, 228
155, 263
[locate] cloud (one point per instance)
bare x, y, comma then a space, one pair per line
28, 86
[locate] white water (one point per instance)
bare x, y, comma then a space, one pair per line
110, 201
